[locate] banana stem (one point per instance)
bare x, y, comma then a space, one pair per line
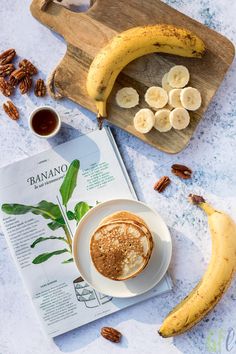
200, 201
101, 107
100, 121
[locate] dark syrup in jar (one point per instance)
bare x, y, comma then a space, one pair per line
44, 122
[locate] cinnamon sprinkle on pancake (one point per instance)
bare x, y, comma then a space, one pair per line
120, 249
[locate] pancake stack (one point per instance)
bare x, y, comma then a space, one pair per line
121, 246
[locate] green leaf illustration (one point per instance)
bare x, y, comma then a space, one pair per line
46, 209
16, 209
45, 256
70, 215
81, 209
70, 260
69, 183
41, 239
54, 225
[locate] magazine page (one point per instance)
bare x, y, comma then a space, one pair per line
42, 199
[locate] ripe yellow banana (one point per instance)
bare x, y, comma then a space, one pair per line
131, 44
216, 279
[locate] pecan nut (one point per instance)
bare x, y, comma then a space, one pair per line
6, 69
111, 334
5, 87
181, 171
28, 67
25, 84
40, 88
16, 76
11, 110
161, 185
7, 56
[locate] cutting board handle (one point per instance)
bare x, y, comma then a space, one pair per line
51, 14
45, 3
92, 35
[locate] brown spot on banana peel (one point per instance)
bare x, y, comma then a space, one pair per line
101, 89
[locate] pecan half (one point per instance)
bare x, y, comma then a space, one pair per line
7, 56
6, 69
28, 67
11, 110
111, 334
181, 171
5, 87
40, 88
16, 76
25, 84
161, 185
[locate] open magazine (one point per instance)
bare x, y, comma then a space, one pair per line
42, 200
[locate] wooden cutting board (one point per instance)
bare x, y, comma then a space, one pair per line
86, 33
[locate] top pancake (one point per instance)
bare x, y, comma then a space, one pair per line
123, 216
121, 246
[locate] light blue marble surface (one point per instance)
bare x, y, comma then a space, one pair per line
211, 154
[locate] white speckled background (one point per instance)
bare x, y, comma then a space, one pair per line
211, 154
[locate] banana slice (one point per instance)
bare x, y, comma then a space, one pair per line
191, 98
178, 76
144, 120
174, 98
179, 118
162, 120
165, 84
127, 97
156, 97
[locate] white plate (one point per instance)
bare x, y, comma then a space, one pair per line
159, 261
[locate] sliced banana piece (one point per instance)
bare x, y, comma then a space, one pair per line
144, 120
191, 98
179, 118
127, 97
162, 120
174, 98
165, 84
156, 97
178, 76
